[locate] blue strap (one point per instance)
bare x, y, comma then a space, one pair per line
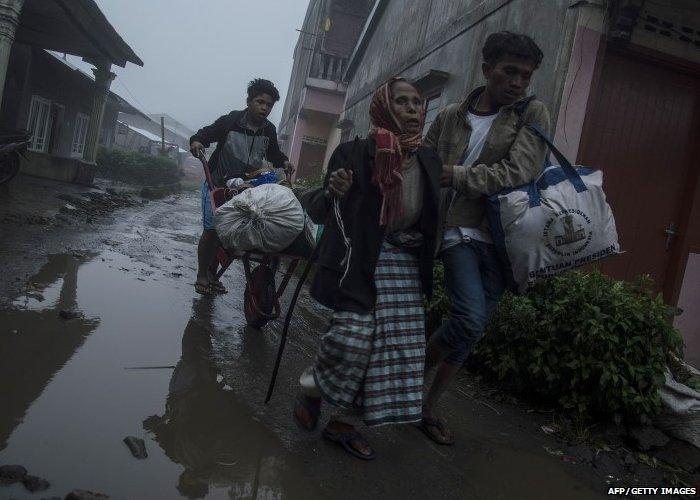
570, 172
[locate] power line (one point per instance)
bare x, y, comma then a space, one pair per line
143, 108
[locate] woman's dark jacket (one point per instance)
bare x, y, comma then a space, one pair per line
360, 213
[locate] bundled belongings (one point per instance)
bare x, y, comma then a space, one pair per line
267, 218
558, 222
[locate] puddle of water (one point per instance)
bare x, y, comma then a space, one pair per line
142, 362
70, 395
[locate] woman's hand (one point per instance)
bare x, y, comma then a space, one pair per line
339, 183
446, 176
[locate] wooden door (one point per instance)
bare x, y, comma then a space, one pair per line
641, 133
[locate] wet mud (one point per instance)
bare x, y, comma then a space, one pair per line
146, 357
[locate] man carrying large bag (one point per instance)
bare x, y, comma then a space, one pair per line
486, 146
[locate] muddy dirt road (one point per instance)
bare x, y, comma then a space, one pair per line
147, 357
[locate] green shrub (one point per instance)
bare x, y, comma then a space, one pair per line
137, 168
594, 346
437, 309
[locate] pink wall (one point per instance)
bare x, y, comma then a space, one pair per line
577, 88
300, 128
325, 102
689, 322
312, 100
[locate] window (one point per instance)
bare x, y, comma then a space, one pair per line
57, 114
38, 124
432, 106
79, 134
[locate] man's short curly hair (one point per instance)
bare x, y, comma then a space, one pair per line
504, 43
261, 86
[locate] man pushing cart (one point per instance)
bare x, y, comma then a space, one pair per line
246, 143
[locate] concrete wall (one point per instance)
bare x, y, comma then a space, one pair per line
653, 30
60, 169
303, 53
412, 38
346, 21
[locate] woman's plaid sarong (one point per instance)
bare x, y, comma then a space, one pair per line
373, 363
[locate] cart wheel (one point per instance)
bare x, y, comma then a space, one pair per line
252, 316
259, 297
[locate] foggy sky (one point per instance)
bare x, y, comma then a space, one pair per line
200, 54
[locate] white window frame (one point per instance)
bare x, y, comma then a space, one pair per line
39, 131
77, 147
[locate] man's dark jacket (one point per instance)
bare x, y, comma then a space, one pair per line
235, 122
360, 212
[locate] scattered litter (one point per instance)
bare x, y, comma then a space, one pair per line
226, 464
219, 378
489, 406
137, 446
553, 452
227, 388
549, 429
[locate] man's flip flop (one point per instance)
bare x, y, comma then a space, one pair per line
203, 289
217, 287
428, 423
345, 439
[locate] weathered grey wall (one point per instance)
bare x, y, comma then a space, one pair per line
300, 70
414, 37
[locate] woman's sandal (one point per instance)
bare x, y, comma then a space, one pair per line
345, 439
312, 407
427, 424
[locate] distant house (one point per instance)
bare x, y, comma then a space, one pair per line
151, 123
67, 112
175, 126
308, 131
137, 139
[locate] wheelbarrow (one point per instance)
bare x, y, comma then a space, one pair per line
261, 299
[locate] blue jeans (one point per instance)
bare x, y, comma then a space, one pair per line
207, 210
475, 283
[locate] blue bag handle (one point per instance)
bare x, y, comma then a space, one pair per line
571, 174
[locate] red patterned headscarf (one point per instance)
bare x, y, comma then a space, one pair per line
393, 146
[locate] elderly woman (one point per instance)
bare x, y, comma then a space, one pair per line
379, 204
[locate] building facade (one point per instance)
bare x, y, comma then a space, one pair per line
308, 131
144, 133
132, 138
622, 82
68, 113
45, 95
